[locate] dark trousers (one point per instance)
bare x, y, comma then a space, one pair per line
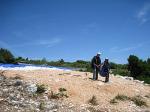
107, 78
95, 73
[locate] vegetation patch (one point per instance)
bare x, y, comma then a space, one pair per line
122, 72
42, 106
137, 100
62, 90
93, 101
121, 97
6, 56
17, 77
61, 94
41, 88
113, 101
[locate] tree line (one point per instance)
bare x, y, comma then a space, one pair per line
136, 68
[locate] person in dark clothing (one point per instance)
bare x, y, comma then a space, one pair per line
96, 64
105, 69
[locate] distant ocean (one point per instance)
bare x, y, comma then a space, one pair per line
22, 66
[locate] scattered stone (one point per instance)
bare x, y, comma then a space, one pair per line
18, 83
2, 77
146, 111
118, 76
146, 84
1, 99
19, 96
137, 81
129, 78
31, 88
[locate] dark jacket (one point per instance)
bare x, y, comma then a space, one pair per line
105, 69
95, 60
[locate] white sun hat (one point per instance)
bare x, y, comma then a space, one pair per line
99, 53
106, 58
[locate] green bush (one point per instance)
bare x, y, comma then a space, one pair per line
61, 94
2, 59
6, 56
144, 78
122, 72
41, 88
62, 90
139, 69
133, 63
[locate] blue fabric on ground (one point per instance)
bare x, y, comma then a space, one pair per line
25, 65
104, 72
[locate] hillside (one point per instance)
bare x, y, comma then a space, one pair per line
80, 88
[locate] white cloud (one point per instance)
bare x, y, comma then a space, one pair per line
48, 43
117, 49
42, 42
142, 14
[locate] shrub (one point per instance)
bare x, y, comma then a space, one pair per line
145, 78
41, 89
113, 101
122, 72
93, 100
53, 95
62, 89
41, 106
121, 97
61, 94
2, 59
138, 101
6, 56
139, 69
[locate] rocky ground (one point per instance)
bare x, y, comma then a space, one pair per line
17, 95
19, 92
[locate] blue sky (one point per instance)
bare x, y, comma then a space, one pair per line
76, 29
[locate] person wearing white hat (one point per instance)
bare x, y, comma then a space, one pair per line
105, 69
96, 64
